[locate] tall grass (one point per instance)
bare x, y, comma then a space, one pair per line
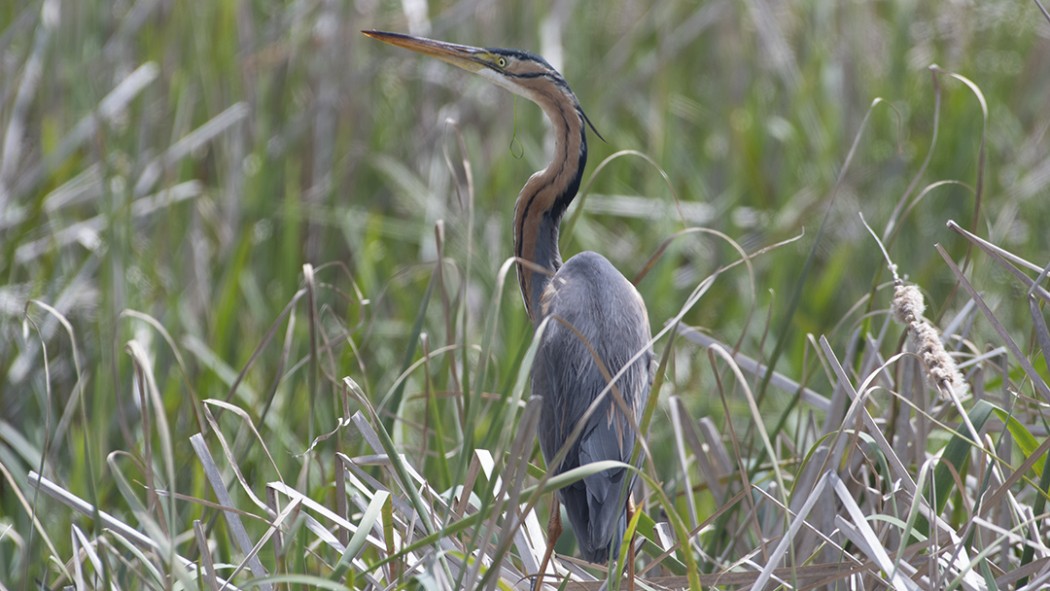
260, 328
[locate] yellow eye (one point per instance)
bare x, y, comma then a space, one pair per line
501, 62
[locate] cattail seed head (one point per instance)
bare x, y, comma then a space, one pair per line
908, 304
941, 371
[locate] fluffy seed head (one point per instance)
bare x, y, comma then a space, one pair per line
942, 373
908, 304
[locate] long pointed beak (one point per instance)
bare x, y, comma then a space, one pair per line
462, 56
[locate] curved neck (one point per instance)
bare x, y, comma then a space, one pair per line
544, 198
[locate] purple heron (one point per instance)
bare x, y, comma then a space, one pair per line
598, 327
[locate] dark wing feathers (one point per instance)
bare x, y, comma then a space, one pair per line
603, 307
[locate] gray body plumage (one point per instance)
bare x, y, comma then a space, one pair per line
590, 295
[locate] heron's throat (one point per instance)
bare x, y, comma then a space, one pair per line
542, 202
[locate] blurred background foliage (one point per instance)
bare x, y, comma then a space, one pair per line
186, 160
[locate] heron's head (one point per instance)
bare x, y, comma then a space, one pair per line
520, 72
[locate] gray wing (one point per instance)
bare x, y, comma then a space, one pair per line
589, 294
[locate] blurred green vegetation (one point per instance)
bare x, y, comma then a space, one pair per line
271, 135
